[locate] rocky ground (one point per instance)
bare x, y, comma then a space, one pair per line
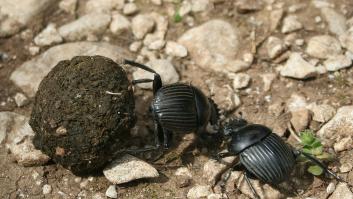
278, 62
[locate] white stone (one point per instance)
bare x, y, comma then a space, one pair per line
135, 46
176, 50
163, 67
346, 167
130, 9
346, 40
275, 47
240, 80
198, 191
343, 144
297, 67
322, 113
19, 137
30, 73
331, 188
99, 196
318, 19
341, 125
141, 25
85, 26
299, 42
20, 99
300, 119
48, 36
185, 8
267, 79
214, 45
223, 95
215, 196
296, 102
160, 29
111, 192
323, 47
16, 14
119, 24
157, 2
157, 45
33, 50
103, 6
183, 171
201, 5
149, 54
291, 24
128, 168
248, 58
68, 6
46, 189
336, 21
342, 191
338, 62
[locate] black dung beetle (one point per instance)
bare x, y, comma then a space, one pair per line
263, 153
177, 107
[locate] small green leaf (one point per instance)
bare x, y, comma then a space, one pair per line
316, 143
317, 151
325, 156
307, 137
177, 17
315, 170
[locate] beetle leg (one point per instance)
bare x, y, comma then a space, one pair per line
139, 81
157, 134
167, 138
320, 164
246, 175
157, 81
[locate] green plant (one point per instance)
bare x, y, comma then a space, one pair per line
313, 146
177, 17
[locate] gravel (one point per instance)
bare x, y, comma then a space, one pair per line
120, 24
111, 192
291, 24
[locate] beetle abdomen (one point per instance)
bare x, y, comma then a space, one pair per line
174, 106
270, 160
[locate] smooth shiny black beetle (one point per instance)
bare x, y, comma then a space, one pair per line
263, 154
177, 108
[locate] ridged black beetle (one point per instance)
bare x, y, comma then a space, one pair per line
263, 153
177, 107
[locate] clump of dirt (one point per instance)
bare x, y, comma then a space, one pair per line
83, 113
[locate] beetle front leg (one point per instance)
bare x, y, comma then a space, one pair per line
320, 164
246, 176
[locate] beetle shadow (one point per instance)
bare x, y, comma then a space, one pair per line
300, 180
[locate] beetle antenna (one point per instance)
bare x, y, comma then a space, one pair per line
138, 65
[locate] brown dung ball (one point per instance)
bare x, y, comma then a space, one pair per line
83, 113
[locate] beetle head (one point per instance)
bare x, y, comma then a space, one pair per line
233, 125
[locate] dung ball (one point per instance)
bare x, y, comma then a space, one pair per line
83, 112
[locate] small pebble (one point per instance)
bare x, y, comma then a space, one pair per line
130, 9
318, 19
330, 188
46, 189
20, 99
111, 192
346, 167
